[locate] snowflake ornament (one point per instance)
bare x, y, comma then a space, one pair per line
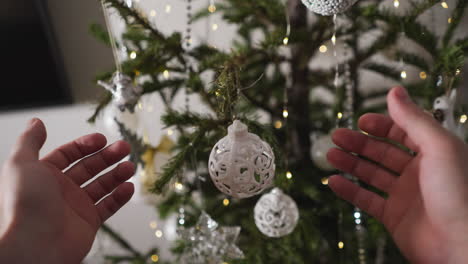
208, 243
328, 7
276, 214
241, 164
125, 93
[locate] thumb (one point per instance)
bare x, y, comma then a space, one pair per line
30, 142
420, 127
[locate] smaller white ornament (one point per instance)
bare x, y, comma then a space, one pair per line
444, 110
276, 214
328, 7
125, 93
319, 151
241, 164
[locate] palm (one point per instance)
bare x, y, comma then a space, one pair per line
424, 210
64, 213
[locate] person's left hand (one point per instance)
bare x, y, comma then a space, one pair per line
46, 214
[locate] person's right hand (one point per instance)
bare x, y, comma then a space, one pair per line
426, 210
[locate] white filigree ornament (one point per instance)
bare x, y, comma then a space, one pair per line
319, 151
444, 110
209, 243
124, 92
276, 214
241, 164
328, 7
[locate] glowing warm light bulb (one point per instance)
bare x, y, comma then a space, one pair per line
285, 113
333, 39
339, 115
168, 8
155, 258
278, 124
158, 233
340, 245
214, 27
226, 202
357, 215
285, 40
457, 72
153, 224
449, 20
423, 75
170, 132
396, 3
323, 49
133, 55
166, 74
153, 13
325, 181
179, 186
403, 74
444, 4
289, 175
463, 119
211, 8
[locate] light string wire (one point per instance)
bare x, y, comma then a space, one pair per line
112, 41
286, 98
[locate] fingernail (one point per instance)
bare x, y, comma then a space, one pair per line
402, 94
32, 122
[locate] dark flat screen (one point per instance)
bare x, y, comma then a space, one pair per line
32, 72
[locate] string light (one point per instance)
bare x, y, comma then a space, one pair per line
340, 245
158, 233
333, 39
396, 3
170, 132
166, 74
325, 181
423, 75
212, 8
154, 258
449, 20
168, 8
133, 55
339, 115
285, 113
289, 175
457, 72
153, 224
226, 202
285, 41
214, 27
444, 4
463, 119
278, 124
403, 74
323, 49
153, 13
178, 186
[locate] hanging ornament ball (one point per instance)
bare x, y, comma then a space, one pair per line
276, 214
328, 7
319, 152
125, 93
241, 164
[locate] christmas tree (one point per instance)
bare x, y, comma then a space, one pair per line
274, 81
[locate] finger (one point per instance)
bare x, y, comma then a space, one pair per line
30, 142
65, 155
383, 126
368, 201
420, 127
381, 152
364, 170
92, 165
109, 181
112, 203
